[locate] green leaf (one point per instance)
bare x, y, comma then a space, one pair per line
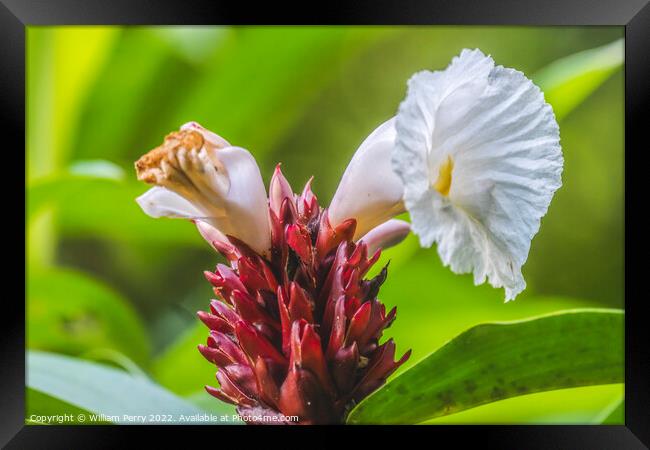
572, 406
110, 393
615, 414
491, 362
45, 409
570, 80
70, 312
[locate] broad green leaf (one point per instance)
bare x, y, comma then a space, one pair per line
491, 362
570, 80
70, 312
615, 414
111, 394
575, 406
43, 409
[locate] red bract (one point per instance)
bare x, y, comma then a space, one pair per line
297, 333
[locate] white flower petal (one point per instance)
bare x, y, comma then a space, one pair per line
160, 202
369, 191
502, 141
210, 233
386, 235
247, 216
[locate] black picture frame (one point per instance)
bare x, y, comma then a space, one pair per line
634, 15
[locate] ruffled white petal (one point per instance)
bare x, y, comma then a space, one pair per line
503, 140
369, 191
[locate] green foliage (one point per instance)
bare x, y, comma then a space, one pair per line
70, 312
568, 81
491, 362
99, 390
40, 405
615, 415
579, 406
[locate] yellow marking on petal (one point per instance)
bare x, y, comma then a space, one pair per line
443, 183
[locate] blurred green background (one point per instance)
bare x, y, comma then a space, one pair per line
106, 282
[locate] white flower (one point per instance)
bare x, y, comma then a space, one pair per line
478, 151
199, 176
369, 191
386, 235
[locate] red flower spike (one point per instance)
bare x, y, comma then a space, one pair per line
228, 251
215, 355
359, 322
329, 238
297, 333
337, 335
232, 390
214, 322
307, 203
300, 305
344, 366
251, 311
278, 190
220, 395
252, 276
243, 376
311, 356
268, 389
225, 312
225, 345
300, 242
255, 344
